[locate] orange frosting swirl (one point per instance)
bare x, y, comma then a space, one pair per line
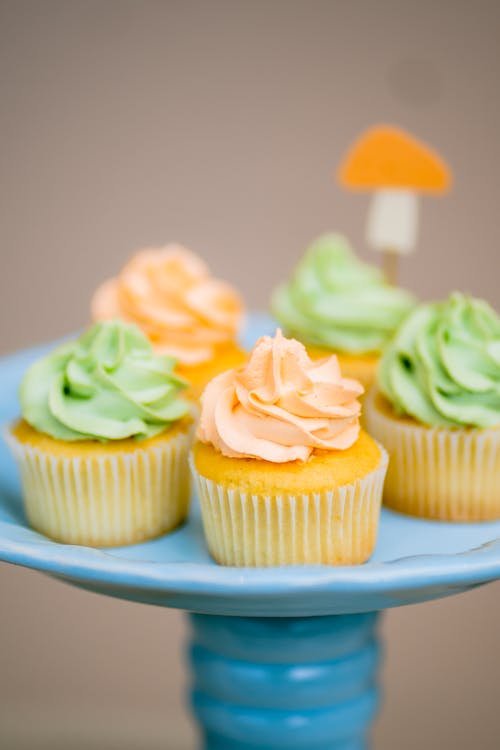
281, 405
169, 293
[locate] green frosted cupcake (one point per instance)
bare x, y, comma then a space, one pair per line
437, 411
103, 441
336, 303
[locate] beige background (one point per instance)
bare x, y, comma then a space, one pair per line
219, 124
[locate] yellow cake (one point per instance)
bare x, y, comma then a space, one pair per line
324, 471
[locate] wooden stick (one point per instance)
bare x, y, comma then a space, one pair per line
390, 263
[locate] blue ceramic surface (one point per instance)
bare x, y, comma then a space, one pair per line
414, 560
272, 684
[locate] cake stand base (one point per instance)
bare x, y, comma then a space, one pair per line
270, 683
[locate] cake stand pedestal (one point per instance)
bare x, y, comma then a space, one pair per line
306, 682
280, 657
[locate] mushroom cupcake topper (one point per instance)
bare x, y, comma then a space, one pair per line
395, 166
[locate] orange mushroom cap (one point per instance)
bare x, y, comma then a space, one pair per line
388, 157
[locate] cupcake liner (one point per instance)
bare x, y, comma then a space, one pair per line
106, 500
337, 527
439, 473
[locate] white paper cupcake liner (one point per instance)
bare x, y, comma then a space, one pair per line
447, 474
122, 497
337, 527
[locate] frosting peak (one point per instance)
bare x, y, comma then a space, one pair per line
106, 385
443, 366
169, 293
281, 405
334, 300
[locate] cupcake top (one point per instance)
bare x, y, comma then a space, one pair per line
106, 385
336, 301
169, 293
443, 366
281, 405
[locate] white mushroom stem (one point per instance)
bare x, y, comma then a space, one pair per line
392, 226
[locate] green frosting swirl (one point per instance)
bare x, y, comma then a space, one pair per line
106, 385
334, 300
443, 366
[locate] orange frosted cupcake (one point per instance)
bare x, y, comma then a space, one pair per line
284, 473
169, 293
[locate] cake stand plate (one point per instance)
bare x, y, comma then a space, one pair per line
414, 560
295, 664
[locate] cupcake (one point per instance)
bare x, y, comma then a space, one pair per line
103, 441
169, 293
335, 303
437, 411
283, 471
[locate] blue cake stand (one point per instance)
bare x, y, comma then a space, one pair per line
281, 658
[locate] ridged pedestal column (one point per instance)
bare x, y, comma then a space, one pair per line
284, 683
